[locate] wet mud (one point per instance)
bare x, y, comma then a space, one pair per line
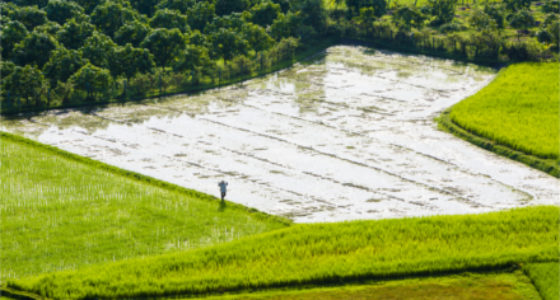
348, 136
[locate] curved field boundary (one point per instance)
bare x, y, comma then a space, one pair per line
140, 177
549, 166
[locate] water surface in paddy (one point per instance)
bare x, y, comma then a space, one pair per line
347, 135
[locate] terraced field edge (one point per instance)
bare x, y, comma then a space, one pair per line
140, 177
320, 254
549, 166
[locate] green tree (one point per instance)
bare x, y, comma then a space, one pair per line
407, 17
88, 5
146, 7
92, 83
554, 29
193, 57
133, 32
551, 6
515, 5
12, 33
74, 34
442, 10
130, 61
265, 13
228, 44
257, 37
30, 16
34, 49
313, 13
99, 49
522, 20
199, 39
50, 28
62, 64
110, 16
379, 6
180, 5
496, 12
38, 3
365, 18
481, 21
166, 18
226, 7
201, 14
165, 44
286, 26
26, 84
6, 68
61, 10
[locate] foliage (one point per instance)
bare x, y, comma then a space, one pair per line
62, 10
226, 30
74, 34
408, 17
519, 109
34, 49
60, 211
443, 10
62, 64
100, 30
25, 84
91, 82
545, 276
164, 44
12, 33
165, 18
379, 6
321, 254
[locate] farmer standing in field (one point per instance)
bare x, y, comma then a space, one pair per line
223, 189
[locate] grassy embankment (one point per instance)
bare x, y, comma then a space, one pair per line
62, 211
320, 254
488, 286
517, 115
546, 278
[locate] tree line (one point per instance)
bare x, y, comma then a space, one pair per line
62, 52
489, 32
58, 53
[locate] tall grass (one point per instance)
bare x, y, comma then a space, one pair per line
546, 277
319, 254
487, 286
57, 213
519, 109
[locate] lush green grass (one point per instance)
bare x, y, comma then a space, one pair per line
546, 277
519, 109
59, 211
464, 286
320, 254
549, 166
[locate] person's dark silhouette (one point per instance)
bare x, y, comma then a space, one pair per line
223, 188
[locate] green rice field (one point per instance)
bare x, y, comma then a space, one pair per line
488, 286
317, 254
59, 211
519, 109
546, 277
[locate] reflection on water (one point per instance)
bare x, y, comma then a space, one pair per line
349, 136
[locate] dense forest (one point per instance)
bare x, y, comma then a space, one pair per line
61, 53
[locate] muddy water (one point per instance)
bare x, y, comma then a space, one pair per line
347, 135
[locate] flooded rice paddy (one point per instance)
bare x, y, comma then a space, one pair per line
347, 135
